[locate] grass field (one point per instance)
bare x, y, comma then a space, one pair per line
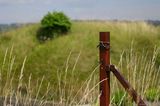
65, 69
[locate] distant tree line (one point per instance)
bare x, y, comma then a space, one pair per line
6, 27
154, 22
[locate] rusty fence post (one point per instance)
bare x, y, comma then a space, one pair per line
104, 47
106, 68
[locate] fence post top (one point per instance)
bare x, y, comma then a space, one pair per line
104, 32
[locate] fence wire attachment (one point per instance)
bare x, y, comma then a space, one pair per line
104, 45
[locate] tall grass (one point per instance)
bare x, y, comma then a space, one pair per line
139, 69
65, 70
142, 73
66, 92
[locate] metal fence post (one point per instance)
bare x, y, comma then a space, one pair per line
104, 56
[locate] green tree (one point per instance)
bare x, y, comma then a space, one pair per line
54, 24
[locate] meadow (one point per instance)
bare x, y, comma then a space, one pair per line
65, 70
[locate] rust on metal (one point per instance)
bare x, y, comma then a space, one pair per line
104, 46
127, 86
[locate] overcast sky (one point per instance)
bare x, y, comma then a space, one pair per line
33, 10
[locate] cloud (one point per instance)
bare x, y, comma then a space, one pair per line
31, 10
30, 1
16, 1
43, 1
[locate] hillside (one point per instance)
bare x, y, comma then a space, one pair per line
75, 52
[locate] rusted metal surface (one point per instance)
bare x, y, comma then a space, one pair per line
127, 87
104, 75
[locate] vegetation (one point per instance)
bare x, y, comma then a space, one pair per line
153, 94
54, 24
66, 69
6, 27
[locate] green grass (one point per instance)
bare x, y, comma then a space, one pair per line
66, 62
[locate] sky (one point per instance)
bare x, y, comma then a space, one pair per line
24, 11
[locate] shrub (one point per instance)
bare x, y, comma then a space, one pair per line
54, 24
152, 94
